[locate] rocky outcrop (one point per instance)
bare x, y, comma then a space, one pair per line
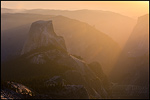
13, 90
42, 34
66, 91
97, 69
45, 54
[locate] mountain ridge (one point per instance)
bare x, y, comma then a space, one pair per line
51, 61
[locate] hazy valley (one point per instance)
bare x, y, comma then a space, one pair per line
81, 54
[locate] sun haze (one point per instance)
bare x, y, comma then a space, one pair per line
75, 49
132, 9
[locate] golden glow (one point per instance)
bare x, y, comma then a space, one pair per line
129, 8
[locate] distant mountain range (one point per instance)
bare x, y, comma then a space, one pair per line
81, 39
115, 25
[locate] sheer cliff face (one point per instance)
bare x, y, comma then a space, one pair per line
45, 53
42, 34
137, 44
132, 67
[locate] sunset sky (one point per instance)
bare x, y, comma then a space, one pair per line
132, 9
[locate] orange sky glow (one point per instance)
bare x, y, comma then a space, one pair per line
132, 9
